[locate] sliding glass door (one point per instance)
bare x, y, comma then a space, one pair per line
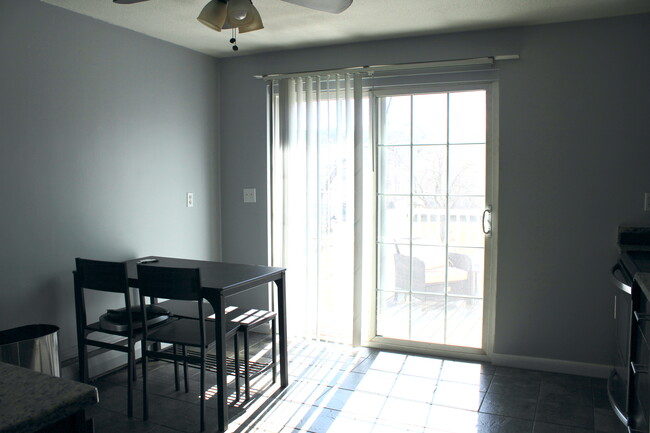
432, 210
388, 249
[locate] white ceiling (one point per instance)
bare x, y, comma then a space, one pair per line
291, 26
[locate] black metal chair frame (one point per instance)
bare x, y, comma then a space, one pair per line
251, 320
246, 322
182, 310
105, 277
180, 284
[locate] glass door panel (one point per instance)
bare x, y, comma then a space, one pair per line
394, 227
467, 117
467, 169
428, 319
393, 313
397, 129
429, 220
430, 118
429, 170
395, 161
431, 195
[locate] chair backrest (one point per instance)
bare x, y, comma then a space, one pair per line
172, 283
180, 284
100, 275
403, 278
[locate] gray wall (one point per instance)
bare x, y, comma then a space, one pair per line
574, 152
102, 132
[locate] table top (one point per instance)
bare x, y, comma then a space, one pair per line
30, 400
221, 276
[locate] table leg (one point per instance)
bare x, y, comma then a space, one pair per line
219, 305
282, 321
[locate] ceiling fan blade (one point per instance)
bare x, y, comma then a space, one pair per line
331, 6
128, 2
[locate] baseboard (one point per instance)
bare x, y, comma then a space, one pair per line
100, 362
425, 350
552, 365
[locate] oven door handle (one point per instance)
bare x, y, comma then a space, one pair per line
617, 282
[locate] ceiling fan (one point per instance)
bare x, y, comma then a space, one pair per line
242, 16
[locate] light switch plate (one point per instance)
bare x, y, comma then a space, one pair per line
646, 206
189, 199
250, 195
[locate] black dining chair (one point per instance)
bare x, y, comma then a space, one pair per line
106, 277
180, 284
186, 310
247, 321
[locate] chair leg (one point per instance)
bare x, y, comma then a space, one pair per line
202, 395
246, 372
273, 349
187, 385
145, 401
237, 386
130, 375
133, 363
176, 381
83, 363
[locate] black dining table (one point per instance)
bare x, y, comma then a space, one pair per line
220, 280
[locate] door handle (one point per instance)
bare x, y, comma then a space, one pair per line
638, 368
620, 282
640, 317
486, 220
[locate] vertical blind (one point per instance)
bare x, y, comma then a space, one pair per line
323, 186
315, 128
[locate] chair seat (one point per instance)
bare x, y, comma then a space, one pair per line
185, 332
185, 309
253, 317
247, 320
94, 327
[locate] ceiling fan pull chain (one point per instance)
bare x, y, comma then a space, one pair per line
233, 40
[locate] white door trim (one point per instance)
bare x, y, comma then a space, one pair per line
491, 197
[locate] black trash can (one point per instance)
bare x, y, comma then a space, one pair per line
32, 346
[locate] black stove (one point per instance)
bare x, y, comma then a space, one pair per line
634, 244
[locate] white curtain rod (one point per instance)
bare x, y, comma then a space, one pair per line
401, 66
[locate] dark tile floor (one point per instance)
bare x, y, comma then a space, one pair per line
338, 389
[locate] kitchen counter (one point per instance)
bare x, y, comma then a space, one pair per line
31, 401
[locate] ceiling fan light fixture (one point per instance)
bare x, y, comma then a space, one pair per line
255, 23
213, 15
232, 24
240, 10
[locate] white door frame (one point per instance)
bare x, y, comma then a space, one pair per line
369, 338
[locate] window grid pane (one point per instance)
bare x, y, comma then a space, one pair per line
430, 241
